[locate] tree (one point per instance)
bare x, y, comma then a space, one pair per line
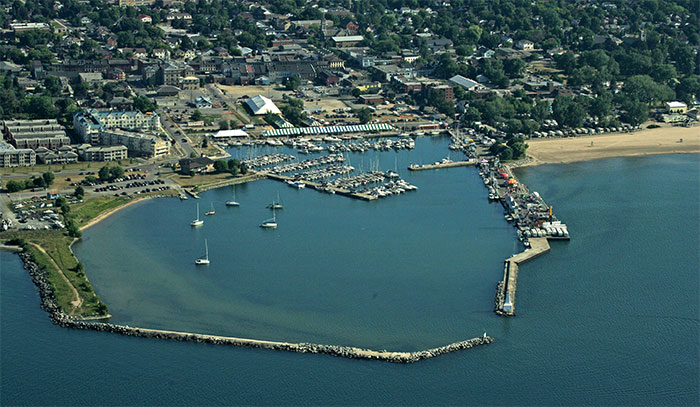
506, 154
244, 169
364, 115
224, 125
143, 104
39, 182
292, 83
14, 186
52, 85
196, 115
79, 192
220, 166
635, 112
568, 112
48, 178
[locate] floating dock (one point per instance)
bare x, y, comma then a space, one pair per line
505, 292
317, 186
442, 165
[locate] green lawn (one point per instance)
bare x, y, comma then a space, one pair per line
57, 245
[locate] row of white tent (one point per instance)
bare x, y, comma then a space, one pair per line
360, 128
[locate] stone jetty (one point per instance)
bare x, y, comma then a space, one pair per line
48, 303
505, 290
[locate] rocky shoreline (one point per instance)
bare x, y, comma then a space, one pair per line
58, 317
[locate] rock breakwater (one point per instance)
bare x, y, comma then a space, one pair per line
58, 317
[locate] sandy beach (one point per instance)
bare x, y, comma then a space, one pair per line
663, 140
112, 211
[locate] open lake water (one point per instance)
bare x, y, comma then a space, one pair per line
610, 317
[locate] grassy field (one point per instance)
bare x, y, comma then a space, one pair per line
89, 209
58, 168
57, 246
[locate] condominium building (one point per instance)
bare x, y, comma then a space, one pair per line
138, 144
35, 133
13, 157
89, 123
102, 153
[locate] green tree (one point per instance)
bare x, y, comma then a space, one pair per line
48, 178
196, 116
79, 192
52, 85
143, 104
220, 166
364, 115
292, 83
14, 186
39, 182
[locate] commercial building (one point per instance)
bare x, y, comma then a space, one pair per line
89, 123
347, 40
138, 144
35, 133
13, 157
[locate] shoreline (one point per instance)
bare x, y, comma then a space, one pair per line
658, 141
99, 218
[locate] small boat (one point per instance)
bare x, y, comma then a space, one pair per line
197, 222
212, 211
270, 223
203, 261
276, 204
233, 201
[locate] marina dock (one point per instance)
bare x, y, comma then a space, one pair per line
439, 165
505, 293
317, 186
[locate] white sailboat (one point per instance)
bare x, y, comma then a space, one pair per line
203, 261
233, 201
270, 223
276, 204
197, 222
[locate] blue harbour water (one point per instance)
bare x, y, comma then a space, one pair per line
610, 317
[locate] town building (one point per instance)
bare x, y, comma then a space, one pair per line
21, 27
676, 107
347, 41
260, 105
136, 3
16, 157
189, 83
35, 133
89, 123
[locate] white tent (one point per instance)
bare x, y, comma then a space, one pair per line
221, 134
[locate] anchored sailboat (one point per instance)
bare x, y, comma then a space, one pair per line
276, 204
270, 223
202, 261
233, 201
197, 222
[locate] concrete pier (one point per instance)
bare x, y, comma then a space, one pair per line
505, 292
436, 166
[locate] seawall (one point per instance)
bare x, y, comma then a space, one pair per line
58, 317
